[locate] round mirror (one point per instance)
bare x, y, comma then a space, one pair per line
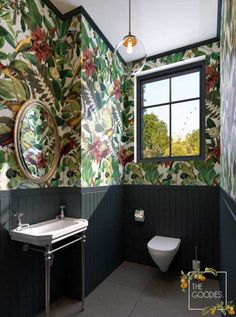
36, 141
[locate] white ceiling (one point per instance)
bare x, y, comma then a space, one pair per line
161, 25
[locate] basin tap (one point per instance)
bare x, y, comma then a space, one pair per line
61, 216
19, 225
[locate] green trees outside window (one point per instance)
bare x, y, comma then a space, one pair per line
170, 114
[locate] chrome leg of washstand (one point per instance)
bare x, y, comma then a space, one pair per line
48, 262
83, 274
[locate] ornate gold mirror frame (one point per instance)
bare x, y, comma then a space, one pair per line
18, 146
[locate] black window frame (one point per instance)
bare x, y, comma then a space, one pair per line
160, 75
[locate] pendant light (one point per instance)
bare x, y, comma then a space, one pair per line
129, 55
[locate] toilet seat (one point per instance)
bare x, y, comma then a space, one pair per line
162, 250
164, 244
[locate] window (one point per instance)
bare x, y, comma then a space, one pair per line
170, 114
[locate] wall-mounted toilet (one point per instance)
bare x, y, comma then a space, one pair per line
163, 250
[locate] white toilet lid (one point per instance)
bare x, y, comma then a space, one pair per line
163, 243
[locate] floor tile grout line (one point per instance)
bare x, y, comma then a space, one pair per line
121, 285
136, 303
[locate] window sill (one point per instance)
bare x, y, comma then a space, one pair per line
172, 159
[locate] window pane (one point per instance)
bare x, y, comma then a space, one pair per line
185, 125
156, 132
156, 92
185, 86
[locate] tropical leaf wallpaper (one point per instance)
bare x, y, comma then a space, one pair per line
39, 59
102, 109
68, 66
178, 173
228, 97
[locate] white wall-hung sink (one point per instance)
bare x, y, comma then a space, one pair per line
49, 232
43, 235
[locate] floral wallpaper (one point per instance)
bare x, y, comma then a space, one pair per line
68, 66
228, 97
102, 110
178, 173
39, 59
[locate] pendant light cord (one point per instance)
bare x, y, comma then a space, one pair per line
129, 16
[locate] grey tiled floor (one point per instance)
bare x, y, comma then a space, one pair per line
132, 290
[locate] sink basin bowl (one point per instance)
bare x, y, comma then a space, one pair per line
49, 232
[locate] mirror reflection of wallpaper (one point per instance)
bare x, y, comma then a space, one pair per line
228, 98
37, 139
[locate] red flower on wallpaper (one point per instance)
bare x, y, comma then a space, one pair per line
39, 160
212, 77
216, 152
167, 163
99, 150
105, 152
87, 62
40, 47
125, 156
116, 89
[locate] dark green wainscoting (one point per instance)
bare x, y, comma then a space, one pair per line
228, 241
190, 213
187, 212
22, 273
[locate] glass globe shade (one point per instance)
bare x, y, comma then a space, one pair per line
129, 55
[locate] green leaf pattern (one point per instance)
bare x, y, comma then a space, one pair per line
38, 60
228, 96
102, 107
180, 173
70, 69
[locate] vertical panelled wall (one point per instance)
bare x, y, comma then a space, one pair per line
185, 212
228, 149
227, 241
22, 273
105, 239
102, 206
